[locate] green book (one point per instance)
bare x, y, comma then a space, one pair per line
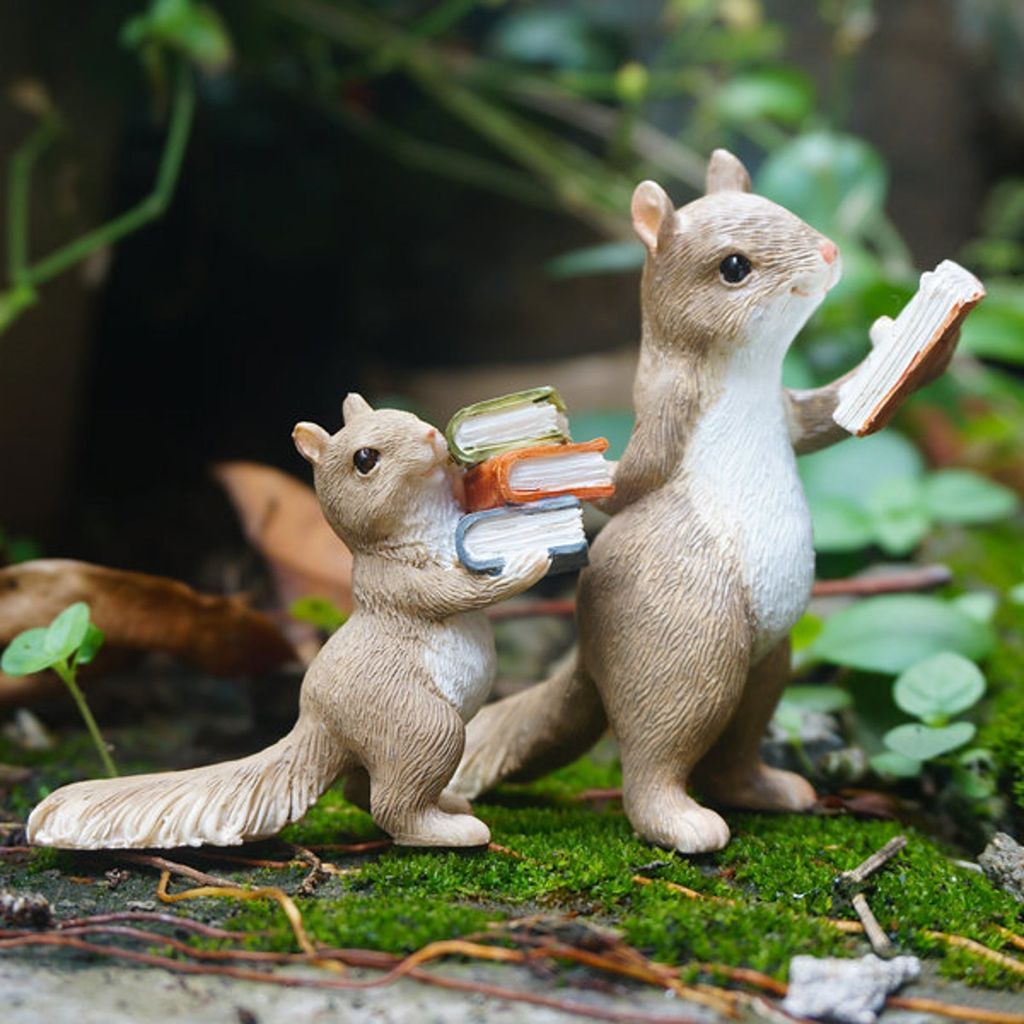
535, 416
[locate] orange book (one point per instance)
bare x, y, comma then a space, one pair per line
540, 471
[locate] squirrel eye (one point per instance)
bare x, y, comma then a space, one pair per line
734, 268
365, 459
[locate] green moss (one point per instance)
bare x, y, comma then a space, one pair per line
778, 870
568, 855
393, 923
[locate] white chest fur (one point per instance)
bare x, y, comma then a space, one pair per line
461, 661
741, 472
459, 652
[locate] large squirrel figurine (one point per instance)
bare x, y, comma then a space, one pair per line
384, 702
707, 561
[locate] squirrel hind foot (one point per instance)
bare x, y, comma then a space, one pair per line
435, 827
671, 819
762, 789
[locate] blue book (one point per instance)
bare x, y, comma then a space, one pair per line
484, 540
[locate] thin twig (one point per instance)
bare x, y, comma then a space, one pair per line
150, 860
866, 868
185, 923
286, 903
872, 929
925, 578
975, 1014
1005, 961
370, 846
690, 894
531, 609
1011, 937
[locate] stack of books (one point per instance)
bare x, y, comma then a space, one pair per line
525, 480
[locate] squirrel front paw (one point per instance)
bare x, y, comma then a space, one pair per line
523, 570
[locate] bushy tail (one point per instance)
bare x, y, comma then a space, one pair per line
531, 733
222, 804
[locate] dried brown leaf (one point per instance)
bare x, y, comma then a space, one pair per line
139, 612
282, 519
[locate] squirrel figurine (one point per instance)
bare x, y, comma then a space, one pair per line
707, 562
385, 700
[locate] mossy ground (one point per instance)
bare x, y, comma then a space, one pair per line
568, 855
779, 871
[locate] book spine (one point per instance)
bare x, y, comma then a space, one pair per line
564, 557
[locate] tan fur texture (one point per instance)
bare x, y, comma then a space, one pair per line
387, 697
707, 561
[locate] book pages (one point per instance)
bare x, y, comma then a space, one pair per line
560, 471
913, 343
499, 536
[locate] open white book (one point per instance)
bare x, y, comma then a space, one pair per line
909, 347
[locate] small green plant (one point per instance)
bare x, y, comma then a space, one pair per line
70, 641
320, 612
876, 491
932, 691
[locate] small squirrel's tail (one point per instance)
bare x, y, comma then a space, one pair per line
221, 804
532, 732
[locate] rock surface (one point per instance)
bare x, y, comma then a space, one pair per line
1003, 862
850, 991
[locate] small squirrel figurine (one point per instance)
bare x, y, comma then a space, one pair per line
707, 561
386, 699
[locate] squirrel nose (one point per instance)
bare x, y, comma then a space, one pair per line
828, 251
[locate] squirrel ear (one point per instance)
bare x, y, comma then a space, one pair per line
310, 441
651, 209
726, 173
353, 406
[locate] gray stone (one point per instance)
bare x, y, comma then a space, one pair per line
849, 991
1003, 862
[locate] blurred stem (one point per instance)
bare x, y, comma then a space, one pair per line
896, 256
581, 182
451, 163
68, 675
153, 206
18, 177
24, 277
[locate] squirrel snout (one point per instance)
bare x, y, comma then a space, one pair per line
828, 251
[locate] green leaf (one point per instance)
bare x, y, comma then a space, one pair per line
896, 765
614, 424
194, 30
559, 38
995, 329
924, 742
823, 699
837, 183
67, 631
777, 94
796, 371
805, 632
939, 687
789, 719
853, 469
899, 517
1016, 593
607, 258
840, 525
90, 645
960, 496
890, 633
976, 773
319, 612
26, 654
979, 604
